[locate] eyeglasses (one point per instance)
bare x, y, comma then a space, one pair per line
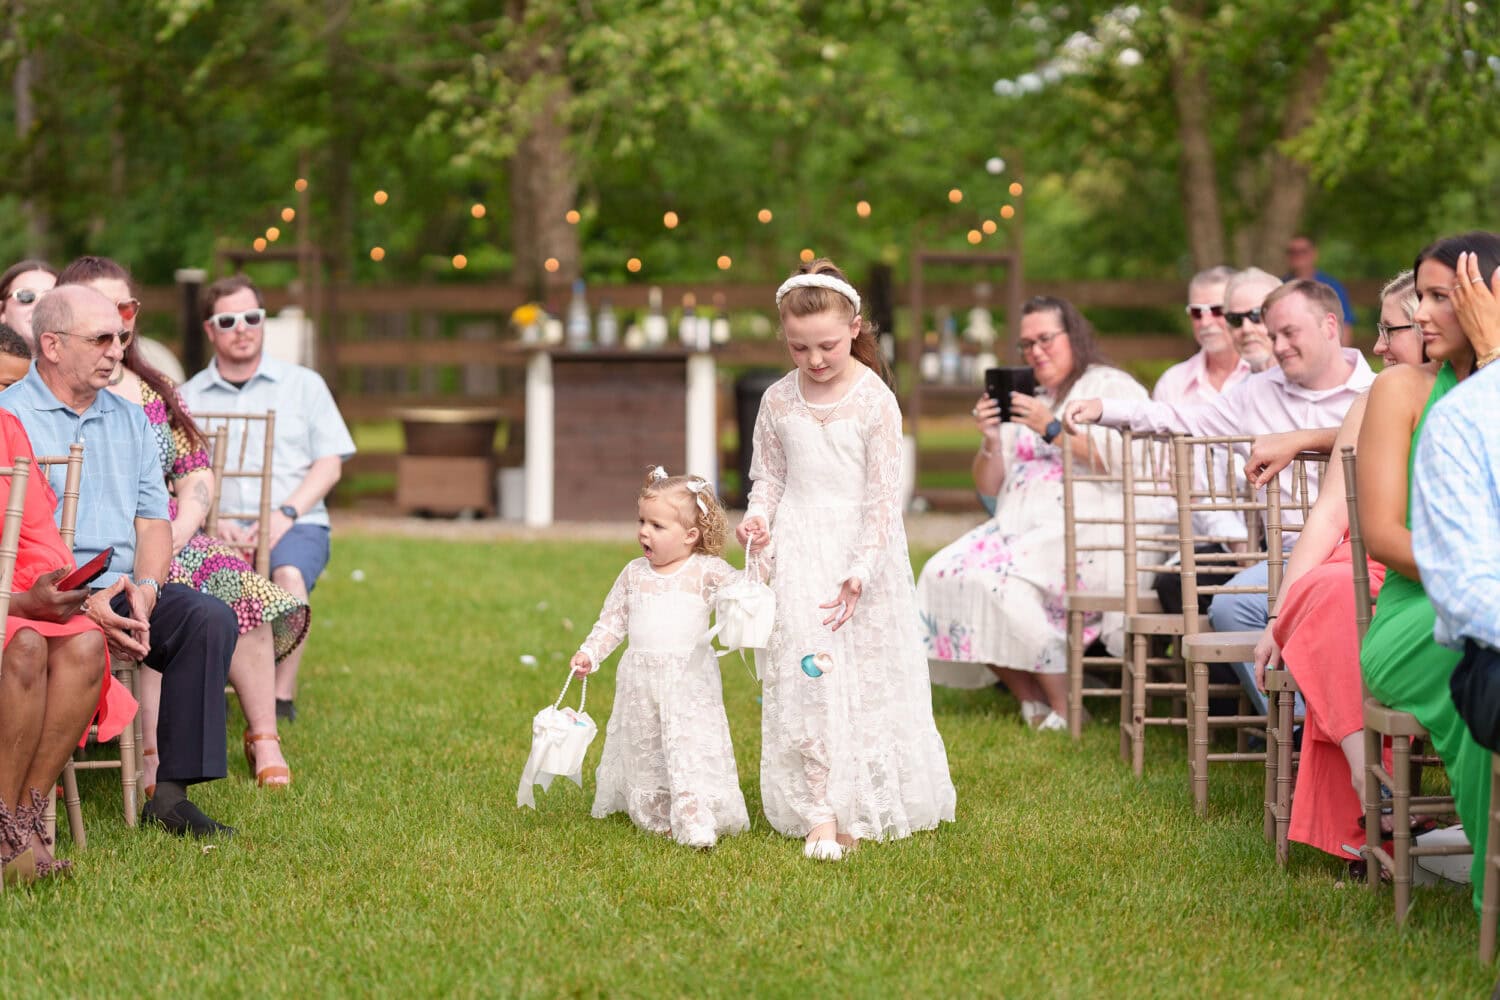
128, 309
1198, 311
25, 296
228, 321
100, 341
1383, 332
1044, 341
1237, 320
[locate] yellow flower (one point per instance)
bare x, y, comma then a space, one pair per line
525, 315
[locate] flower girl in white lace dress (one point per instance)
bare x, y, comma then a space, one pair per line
667, 758
850, 750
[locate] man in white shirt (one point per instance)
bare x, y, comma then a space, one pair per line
1316, 383
312, 443
1217, 365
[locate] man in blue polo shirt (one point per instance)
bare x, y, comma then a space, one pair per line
186, 635
1302, 262
312, 443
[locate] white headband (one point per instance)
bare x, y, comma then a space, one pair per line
827, 281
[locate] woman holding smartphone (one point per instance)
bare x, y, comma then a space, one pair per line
992, 601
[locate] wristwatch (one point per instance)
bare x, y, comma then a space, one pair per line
1053, 430
289, 511
145, 580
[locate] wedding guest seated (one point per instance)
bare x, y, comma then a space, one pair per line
1313, 630
992, 602
1402, 664
54, 678
21, 287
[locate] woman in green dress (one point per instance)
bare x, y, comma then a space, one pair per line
1402, 664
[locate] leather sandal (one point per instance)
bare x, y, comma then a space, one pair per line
17, 859
273, 776
31, 819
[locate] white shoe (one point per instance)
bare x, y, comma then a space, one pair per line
1033, 712
823, 850
1053, 723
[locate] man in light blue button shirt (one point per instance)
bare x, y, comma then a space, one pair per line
312, 443
189, 637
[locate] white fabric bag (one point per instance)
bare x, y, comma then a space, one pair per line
560, 738
745, 612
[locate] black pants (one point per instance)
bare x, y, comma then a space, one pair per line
192, 640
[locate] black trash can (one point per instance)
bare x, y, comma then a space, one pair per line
748, 389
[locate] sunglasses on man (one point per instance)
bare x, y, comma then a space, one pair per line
228, 321
1199, 311
100, 341
26, 296
1237, 319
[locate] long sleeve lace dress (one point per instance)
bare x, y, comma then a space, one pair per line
857, 745
668, 761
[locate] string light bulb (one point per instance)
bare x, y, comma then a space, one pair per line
259, 244
975, 236
381, 197
764, 215
477, 210
572, 216
460, 262
288, 214
633, 265
273, 234
1007, 211
1015, 189
377, 254
669, 220
301, 184
551, 264
724, 262
862, 209
806, 255
955, 195
989, 227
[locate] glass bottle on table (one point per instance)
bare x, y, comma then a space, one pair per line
578, 318
607, 326
655, 326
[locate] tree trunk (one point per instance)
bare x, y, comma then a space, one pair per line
1200, 185
1287, 180
543, 174
33, 211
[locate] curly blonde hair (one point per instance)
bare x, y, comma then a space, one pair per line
685, 493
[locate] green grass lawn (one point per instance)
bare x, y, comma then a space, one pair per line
398, 864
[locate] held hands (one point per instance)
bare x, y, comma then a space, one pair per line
582, 665
847, 599
1477, 304
1267, 657
752, 533
128, 638
1031, 412
1083, 411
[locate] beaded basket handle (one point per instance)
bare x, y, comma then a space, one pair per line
583, 695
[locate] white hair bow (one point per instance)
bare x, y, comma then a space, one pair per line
696, 486
658, 474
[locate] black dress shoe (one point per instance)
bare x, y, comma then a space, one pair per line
286, 710
185, 818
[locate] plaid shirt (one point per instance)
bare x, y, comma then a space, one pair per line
1455, 511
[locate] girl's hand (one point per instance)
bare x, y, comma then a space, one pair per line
1267, 657
582, 665
1477, 304
1030, 412
987, 419
752, 533
847, 599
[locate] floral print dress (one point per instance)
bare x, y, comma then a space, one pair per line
211, 566
995, 596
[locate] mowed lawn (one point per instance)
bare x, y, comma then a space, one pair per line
398, 864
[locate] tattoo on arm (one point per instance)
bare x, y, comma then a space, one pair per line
200, 493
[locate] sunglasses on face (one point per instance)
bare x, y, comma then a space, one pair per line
25, 296
100, 341
128, 309
228, 321
1237, 320
1199, 311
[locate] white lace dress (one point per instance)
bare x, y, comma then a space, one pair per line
857, 745
668, 761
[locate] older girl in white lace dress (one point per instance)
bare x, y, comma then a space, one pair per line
667, 759
849, 747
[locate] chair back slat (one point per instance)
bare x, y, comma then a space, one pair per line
10, 535
67, 522
218, 454
246, 457
1362, 603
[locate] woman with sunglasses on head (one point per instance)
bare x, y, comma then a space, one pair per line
1313, 631
20, 286
991, 603
272, 621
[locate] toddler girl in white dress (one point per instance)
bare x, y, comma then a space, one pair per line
667, 760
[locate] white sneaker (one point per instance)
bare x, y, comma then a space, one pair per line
1053, 723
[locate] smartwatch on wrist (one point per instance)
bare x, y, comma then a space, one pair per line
289, 511
1053, 430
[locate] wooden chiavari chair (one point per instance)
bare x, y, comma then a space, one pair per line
248, 447
19, 474
1401, 728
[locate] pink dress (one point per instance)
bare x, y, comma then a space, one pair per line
1315, 630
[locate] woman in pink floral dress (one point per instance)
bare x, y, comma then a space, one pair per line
992, 602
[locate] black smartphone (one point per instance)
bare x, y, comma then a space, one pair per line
88, 572
999, 383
